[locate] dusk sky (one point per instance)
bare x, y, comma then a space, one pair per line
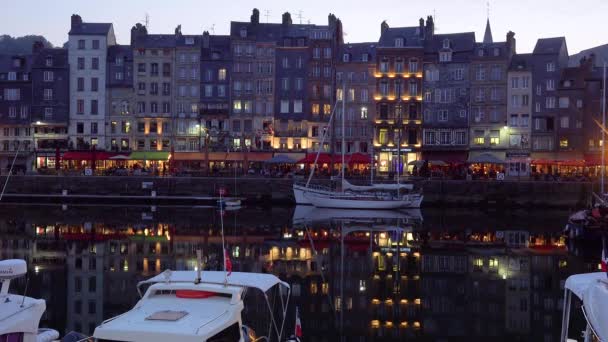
582, 22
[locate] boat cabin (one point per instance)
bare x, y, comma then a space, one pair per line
20, 315
592, 289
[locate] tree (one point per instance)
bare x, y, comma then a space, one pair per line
20, 45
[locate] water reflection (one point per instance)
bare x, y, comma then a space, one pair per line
444, 275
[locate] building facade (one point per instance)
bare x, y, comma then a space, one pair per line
446, 103
488, 73
398, 96
550, 56
50, 103
15, 108
120, 98
216, 63
186, 94
519, 112
356, 69
87, 51
153, 79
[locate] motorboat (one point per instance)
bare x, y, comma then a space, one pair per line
20, 315
187, 306
592, 289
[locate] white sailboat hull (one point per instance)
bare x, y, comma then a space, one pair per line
363, 202
300, 190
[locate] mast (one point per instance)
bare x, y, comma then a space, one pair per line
603, 133
343, 133
373, 164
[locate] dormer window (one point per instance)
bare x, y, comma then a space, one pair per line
496, 52
364, 57
345, 57
399, 42
446, 43
445, 56
189, 41
49, 61
480, 52
243, 32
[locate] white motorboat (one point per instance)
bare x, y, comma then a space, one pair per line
178, 307
592, 289
20, 315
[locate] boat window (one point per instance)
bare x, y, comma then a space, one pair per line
18, 337
230, 334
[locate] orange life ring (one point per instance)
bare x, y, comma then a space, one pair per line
193, 294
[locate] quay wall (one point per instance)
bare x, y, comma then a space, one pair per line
278, 191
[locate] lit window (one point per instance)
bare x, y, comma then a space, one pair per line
563, 143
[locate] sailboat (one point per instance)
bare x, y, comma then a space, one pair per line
349, 196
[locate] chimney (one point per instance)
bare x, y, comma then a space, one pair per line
286, 18
206, 40
511, 42
37, 47
76, 21
430, 27
137, 31
255, 16
421, 27
178, 31
331, 20
383, 27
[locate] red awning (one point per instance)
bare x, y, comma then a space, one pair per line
359, 158
571, 162
324, 158
594, 159
542, 162
88, 155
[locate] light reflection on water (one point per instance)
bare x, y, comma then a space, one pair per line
430, 275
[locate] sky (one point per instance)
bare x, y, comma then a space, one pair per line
582, 22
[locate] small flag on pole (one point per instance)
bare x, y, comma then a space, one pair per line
228, 263
604, 257
298, 329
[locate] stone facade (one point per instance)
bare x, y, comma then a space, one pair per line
120, 98
488, 75
550, 56
356, 69
446, 103
186, 94
398, 96
519, 113
153, 80
87, 51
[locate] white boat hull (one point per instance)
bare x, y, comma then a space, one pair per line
352, 202
300, 190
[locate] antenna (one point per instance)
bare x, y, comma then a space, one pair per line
212, 29
267, 15
299, 15
147, 21
488, 8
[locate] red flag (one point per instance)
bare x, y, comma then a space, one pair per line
604, 257
298, 330
227, 262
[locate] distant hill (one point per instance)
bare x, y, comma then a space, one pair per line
601, 55
20, 45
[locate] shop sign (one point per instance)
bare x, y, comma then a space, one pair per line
394, 149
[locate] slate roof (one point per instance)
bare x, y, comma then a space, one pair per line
60, 58
269, 32
411, 36
156, 41
459, 42
181, 41
96, 29
356, 50
217, 43
521, 62
6, 63
549, 45
120, 50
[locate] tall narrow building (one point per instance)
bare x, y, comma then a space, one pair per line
398, 97
120, 98
519, 113
87, 51
489, 129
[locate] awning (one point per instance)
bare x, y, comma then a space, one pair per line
88, 155
542, 162
149, 155
324, 158
567, 162
280, 159
454, 157
594, 159
485, 158
189, 156
358, 158
578, 283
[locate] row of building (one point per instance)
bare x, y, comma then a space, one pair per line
273, 87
